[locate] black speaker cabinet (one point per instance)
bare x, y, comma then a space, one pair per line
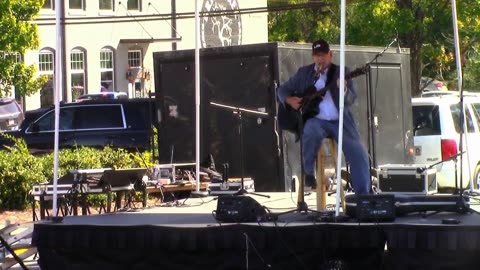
371, 207
237, 76
231, 208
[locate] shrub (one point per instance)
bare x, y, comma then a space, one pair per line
20, 170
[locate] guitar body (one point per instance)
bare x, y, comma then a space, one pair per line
310, 103
289, 119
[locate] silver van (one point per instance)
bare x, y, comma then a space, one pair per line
11, 114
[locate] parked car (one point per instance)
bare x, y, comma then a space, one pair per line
11, 114
437, 128
450, 93
102, 96
119, 123
439, 93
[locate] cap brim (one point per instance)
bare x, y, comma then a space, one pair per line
320, 52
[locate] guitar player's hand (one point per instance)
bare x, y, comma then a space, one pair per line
294, 102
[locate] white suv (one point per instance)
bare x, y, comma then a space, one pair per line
437, 126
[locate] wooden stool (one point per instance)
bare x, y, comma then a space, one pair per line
327, 152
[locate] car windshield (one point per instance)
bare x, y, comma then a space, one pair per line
426, 120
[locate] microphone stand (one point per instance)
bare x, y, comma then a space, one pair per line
454, 158
239, 112
370, 120
302, 206
462, 206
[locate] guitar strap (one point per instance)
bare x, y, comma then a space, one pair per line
331, 73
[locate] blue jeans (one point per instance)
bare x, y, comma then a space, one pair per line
315, 130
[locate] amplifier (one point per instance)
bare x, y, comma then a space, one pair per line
378, 207
239, 208
407, 178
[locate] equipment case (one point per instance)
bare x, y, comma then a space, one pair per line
232, 186
407, 178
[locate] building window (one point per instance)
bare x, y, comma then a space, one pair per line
133, 4
49, 4
135, 58
105, 4
15, 57
77, 60
77, 69
45, 62
135, 64
106, 70
76, 4
46, 68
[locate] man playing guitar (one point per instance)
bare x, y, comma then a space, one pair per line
321, 119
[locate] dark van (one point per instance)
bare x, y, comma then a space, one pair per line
119, 123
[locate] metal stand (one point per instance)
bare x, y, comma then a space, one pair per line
239, 112
462, 206
370, 107
302, 206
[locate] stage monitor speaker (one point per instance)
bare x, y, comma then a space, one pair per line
375, 207
235, 209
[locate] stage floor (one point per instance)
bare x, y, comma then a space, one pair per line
198, 212
173, 235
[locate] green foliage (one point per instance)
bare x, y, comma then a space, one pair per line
17, 35
87, 158
472, 73
423, 26
299, 25
148, 158
19, 170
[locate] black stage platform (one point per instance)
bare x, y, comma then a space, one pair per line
190, 238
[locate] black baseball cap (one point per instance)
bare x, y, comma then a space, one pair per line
320, 46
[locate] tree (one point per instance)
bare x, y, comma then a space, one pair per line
17, 35
423, 26
471, 72
299, 25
